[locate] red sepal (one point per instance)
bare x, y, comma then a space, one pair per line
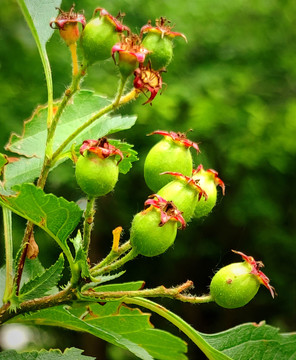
256, 265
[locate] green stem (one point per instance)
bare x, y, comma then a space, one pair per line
182, 325
7, 223
125, 99
62, 297
176, 293
112, 256
47, 164
121, 86
117, 264
88, 222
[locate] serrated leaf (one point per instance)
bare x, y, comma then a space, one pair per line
68, 354
116, 323
85, 104
130, 155
32, 142
41, 285
55, 215
254, 341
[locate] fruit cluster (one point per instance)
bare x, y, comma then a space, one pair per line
145, 55
180, 192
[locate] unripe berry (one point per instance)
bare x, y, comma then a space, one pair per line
159, 43
184, 192
99, 36
154, 229
67, 23
172, 153
236, 284
160, 50
208, 181
147, 237
97, 169
130, 53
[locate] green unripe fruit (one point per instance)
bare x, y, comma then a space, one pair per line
183, 194
97, 39
208, 181
204, 206
161, 50
96, 176
166, 155
147, 237
234, 286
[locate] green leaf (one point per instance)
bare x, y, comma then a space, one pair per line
38, 14
102, 279
129, 154
115, 323
254, 341
31, 143
55, 215
42, 284
68, 354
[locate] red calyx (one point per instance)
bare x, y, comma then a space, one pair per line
116, 21
100, 147
214, 173
162, 27
190, 181
147, 79
66, 18
256, 265
177, 137
131, 45
168, 210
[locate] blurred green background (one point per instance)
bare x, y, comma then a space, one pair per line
234, 84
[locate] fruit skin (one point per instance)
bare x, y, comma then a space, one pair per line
204, 207
161, 50
166, 155
183, 195
234, 286
96, 176
147, 237
97, 39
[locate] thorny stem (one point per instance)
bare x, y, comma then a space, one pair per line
88, 222
188, 330
160, 291
7, 224
112, 256
116, 264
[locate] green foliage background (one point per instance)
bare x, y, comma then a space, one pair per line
234, 83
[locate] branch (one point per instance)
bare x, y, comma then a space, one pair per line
176, 293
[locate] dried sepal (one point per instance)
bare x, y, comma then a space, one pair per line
189, 181
168, 210
213, 173
178, 137
256, 266
101, 147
